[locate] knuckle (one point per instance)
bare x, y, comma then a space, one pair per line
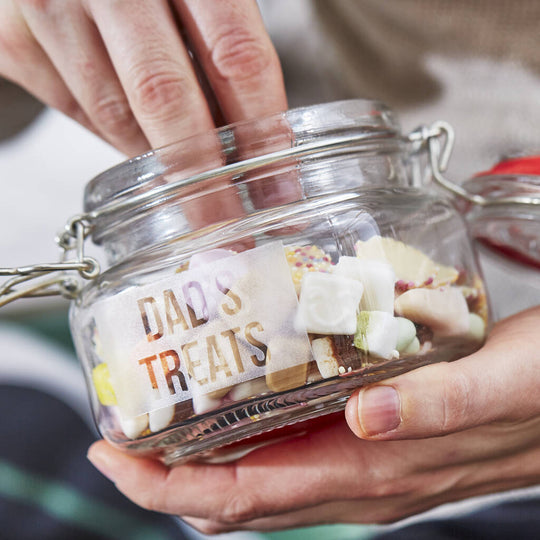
456, 401
113, 115
160, 91
239, 55
238, 508
67, 104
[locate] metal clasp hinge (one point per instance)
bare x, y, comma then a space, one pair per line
439, 158
50, 279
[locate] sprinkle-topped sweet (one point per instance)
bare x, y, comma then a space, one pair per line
306, 259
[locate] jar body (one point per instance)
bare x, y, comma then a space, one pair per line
198, 346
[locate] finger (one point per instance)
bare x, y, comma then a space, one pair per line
243, 69
280, 478
236, 55
86, 70
154, 68
425, 490
160, 84
494, 384
339, 511
23, 61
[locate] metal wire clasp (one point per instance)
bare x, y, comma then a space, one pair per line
48, 279
439, 157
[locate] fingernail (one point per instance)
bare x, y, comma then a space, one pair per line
101, 462
379, 410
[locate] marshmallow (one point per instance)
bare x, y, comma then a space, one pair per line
328, 304
133, 426
160, 418
249, 389
203, 403
406, 333
477, 327
378, 279
412, 348
377, 334
444, 310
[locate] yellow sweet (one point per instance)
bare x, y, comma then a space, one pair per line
412, 267
102, 383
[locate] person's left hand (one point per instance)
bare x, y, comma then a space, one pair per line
473, 427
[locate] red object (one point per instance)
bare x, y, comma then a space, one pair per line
522, 165
527, 166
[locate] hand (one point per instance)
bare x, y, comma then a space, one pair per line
122, 68
473, 428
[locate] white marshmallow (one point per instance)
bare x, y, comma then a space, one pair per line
377, 334
249, 389
413, 347
378, 279
477, 327
328, 304
160, 418
203, 403
444, 310
406, 333
133, 426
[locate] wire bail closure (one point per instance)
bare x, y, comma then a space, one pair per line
438, 160
53, 279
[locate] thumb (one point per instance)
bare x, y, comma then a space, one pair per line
497, 383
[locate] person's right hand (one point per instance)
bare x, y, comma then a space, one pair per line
467, 428
122, 67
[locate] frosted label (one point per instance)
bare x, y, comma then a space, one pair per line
201, 330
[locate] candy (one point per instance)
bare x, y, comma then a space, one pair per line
413, 347
160, 418
477, 327
377, 334
406, 333
133, 426
102, 383
286, 379
336, 355
279, 353
443, 310
476, 298
378, 279
328, 304
249, 389
412, 267
203, 403
313, 373
324, 355
306, 259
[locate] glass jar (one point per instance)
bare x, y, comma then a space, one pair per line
508, 230
259, 273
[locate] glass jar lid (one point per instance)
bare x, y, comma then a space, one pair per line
506, 218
